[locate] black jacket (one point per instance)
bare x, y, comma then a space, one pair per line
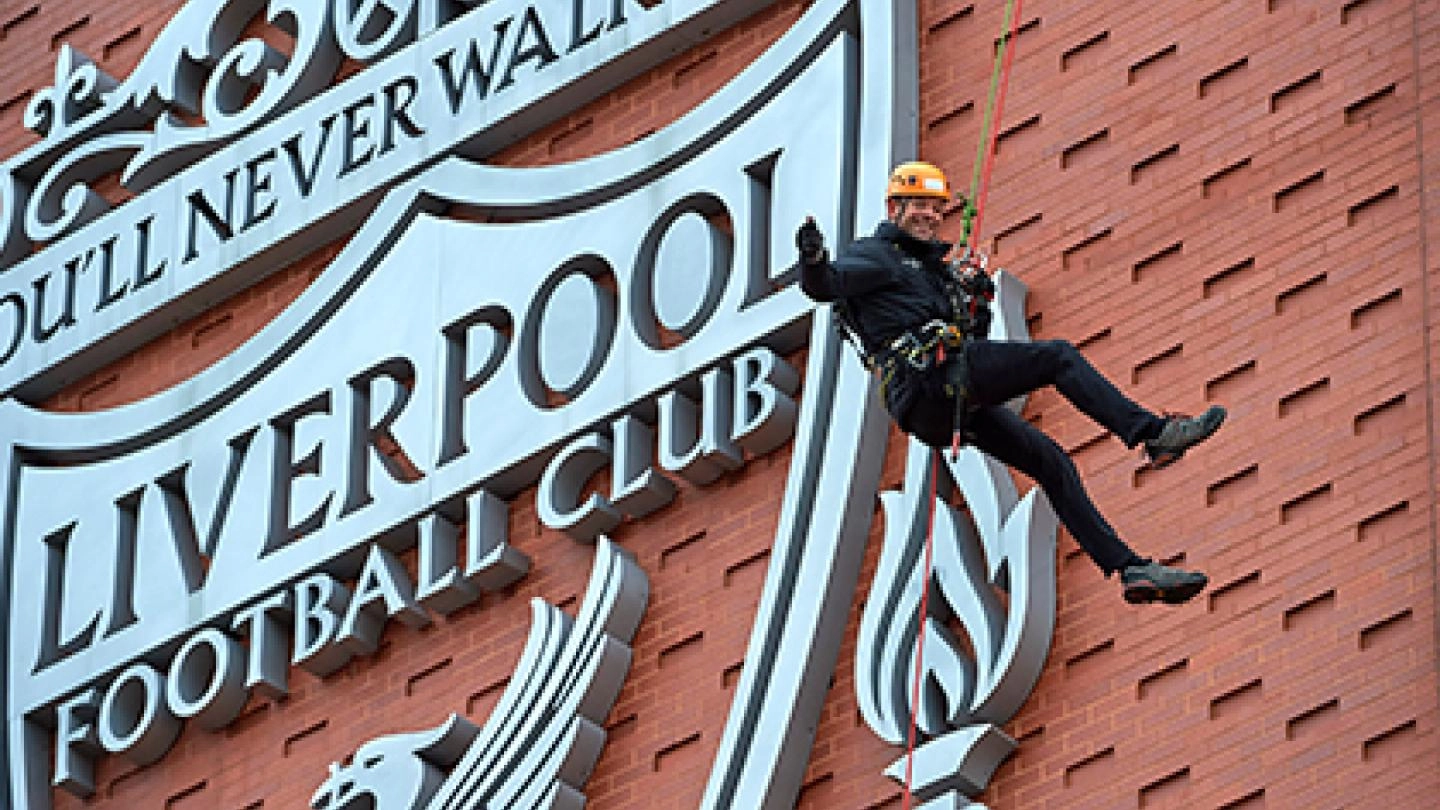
889, 283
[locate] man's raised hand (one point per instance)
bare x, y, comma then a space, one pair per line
810, 242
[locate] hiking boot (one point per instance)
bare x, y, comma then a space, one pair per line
1180, 434
1153, 582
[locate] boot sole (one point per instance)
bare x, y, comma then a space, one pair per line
1144, 593
1166, 458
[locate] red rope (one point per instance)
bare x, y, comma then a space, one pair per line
995, 122
920, 636
989, 165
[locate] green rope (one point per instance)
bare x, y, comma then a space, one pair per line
985, 123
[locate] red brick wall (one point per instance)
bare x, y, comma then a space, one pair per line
1220, 202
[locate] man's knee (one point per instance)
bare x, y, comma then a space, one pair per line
1061, 350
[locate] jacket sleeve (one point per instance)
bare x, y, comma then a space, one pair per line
854, 273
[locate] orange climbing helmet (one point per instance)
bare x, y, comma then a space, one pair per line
917, 179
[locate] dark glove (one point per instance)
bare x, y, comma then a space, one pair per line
810, 242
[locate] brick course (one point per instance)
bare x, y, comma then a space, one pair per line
1220, 202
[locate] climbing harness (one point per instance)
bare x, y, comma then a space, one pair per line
974, 207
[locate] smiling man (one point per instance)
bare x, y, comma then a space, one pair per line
921, 321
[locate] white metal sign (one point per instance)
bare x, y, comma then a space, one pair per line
165, 559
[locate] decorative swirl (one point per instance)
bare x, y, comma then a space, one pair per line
368, 30
79, 87
224, 96
198, 66
63, 198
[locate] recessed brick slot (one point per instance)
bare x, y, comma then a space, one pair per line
1077, 256
129, 37
302, 735
1149, 365
953, 17
685, 649
1088, 443
686, 550
1165, 790
1235, 592
484, 700
1291, 195
952, 114
1316, 719
15, 101
1377, 746
1374, 525
1169, 680
1218, 184
754, 565
179, 799
1012, 234
1086, 658
817, 789
621, 729
1298, 507
1225, 385
1388, 414
1376, 309
1365, 108
1311, 613
1217, 283
1160, 258
676, 750
212, 328
731, 674
1372, 209
1030, 735
1025, 28
1254, 800
437, 667
1210, 82
14, 22
1086, 53
1391, 626
1350, 9
68, 31
1289, 93
1149, 62
1241, 701
1091, 772
1290, 298
570, 134
1148, 164
1031, 124
94, 395
1093, 338
1304, 396
1080, 152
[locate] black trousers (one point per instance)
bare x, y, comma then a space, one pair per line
1001, 370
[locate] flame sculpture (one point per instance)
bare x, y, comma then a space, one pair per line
993, 575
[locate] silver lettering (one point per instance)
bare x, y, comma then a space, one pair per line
455, 86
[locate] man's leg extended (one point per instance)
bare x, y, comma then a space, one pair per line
999, 433
1001, 370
